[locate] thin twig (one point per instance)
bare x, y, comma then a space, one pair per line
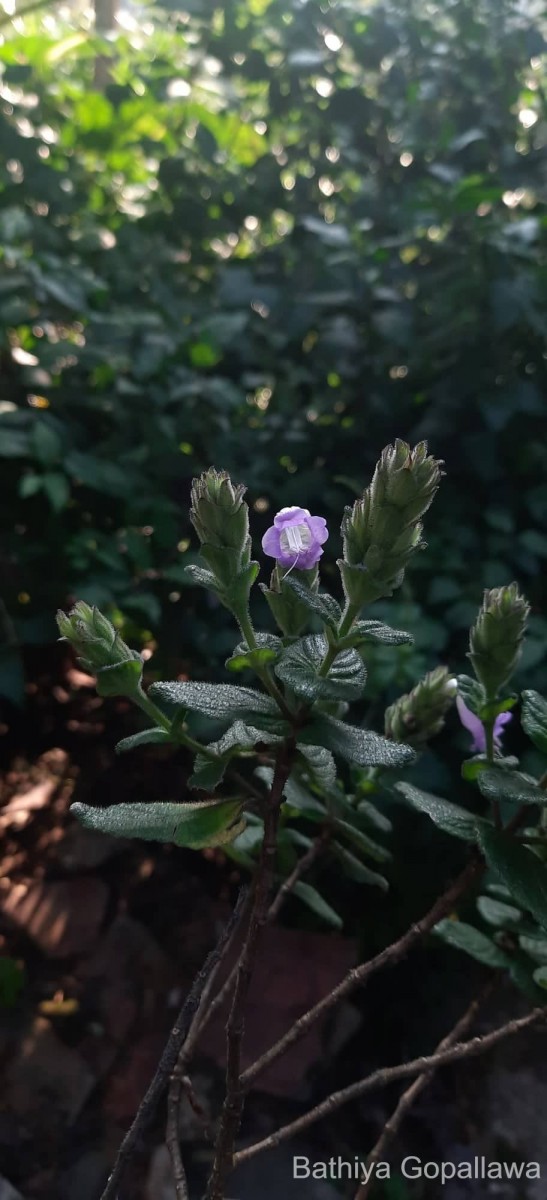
173, 1145
169, 1057
201, 1017
208, 1007
387, 1075
408, 1098
233, 1103
303, 865
361, 974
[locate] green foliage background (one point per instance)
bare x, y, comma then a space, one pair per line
280, 235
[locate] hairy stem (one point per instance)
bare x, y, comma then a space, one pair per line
147, 705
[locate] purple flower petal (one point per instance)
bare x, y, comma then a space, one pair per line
291, 516
473, 724
295, 538
318, 529
271, 542
501, 720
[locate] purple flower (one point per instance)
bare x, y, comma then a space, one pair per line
475, 726
295, 538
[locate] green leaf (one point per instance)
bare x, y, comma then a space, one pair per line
210, 823
376, 818
513, 786
312, 898
215, 700
296, 795
57, 489
376, 631
245, 846
356, 745
476, 944
362, 842
45, 443
534, 718
473, 767
156, 735
472, 693
447, 816
30, 484
321, 604
519, 869
268, 650
319, 763
300, 665
495, 707
121, 679
495, 912
357, 870
540, 977
535, 947
208, 772
199, 577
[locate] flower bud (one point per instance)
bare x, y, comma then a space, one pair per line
419, 715
496, 637
219, 514
383, 529
101, 650
290, 614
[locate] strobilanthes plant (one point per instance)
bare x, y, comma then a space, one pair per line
284, 776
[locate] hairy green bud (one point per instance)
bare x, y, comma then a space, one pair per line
419, 715
290, 614
219, 513
220, 518
383, 529
101, 650
496, 637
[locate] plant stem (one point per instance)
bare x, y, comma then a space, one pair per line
386, 1075
234, 1100
147, 705
170, 1054
489, 740
408, 1098
332, 650
361, 974
246, 626
349, 614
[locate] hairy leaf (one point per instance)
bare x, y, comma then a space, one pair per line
320, 603
356, 870
534, 718
376, 631
447, 816
476, 944
513, 786
300, 667
495, 912
216, 700
313, 899
210, 823
157, 735
360, 746
519, 869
